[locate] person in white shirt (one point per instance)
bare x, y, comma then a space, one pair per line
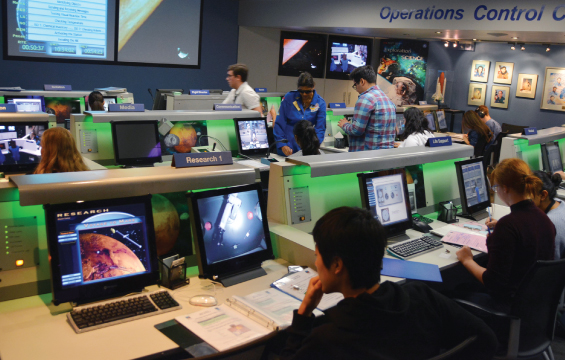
241, 92
417, 131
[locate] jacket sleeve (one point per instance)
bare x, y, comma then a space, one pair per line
321, 121
280, 125
473, 137
296, 344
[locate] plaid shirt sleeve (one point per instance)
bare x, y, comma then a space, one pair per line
363, 110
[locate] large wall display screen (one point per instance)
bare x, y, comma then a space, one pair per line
60, 29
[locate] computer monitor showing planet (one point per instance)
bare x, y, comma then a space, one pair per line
551, 157
473, 188
385, 195
21, 146
136, 143
101, 249
252, 136
231, 233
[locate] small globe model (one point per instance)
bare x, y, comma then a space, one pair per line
187, 137
167, 223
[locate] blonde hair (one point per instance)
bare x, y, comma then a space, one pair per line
517, 175
59, 153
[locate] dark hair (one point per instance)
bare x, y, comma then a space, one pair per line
416, 122
550, 182
307, 139
96, 101
364, 72
306, 79
471, 121
239, 70
353, 235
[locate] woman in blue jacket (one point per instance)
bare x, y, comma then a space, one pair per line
301, 104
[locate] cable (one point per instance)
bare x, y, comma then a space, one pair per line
211, 137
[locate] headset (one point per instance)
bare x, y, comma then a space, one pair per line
480, 112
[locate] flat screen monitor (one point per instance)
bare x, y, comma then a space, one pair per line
385, 195
431, 120
473, 187
101, 249
160, 99
551, 157
400, 123
30, 103
346, 54
21, 145
230, 230
302, 52
136, 143
62, 108
440, 114
252, 136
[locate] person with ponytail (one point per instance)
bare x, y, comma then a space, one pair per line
305, 136
96, 101
59, 153
518, 239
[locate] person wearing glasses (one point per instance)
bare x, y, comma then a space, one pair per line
518, 240
374, 121
241, 92
301, 104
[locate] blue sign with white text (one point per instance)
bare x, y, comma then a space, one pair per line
439, 141
337, 106
57, 87
227, 107
126, 107
8, 108
183, 160
199, 92
261, 90
530, 131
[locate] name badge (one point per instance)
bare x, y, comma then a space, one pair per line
201, 159
57, 87
199, 92
126, 107
439, 141
337, 105
423, 102
261, 90
8, 108
227, 107
530, 131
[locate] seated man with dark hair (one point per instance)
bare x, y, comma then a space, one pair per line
375, 321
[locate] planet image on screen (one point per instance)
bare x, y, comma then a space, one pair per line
167, 223
187, 137
105, 257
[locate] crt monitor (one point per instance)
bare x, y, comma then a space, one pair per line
385, 195
551, 157
473, 188
230, 231
252, 136
21, 146
345, 54
136, 143
160, 100
101, 249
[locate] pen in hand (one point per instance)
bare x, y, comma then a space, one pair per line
489, 218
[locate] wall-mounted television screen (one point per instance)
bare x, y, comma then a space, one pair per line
302, 52
346, 54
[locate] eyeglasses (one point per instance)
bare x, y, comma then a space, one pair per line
230, 75
355, 86
494, 188
305, 91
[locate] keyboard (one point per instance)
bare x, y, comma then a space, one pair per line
414, 247
117, 311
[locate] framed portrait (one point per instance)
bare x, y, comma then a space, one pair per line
477, 94
503, 72
479, 70
553, 94
527, 86
499, 96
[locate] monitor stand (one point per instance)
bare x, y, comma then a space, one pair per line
235, 279
397, 238
477, 216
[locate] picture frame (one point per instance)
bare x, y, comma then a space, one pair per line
480, 70
527, 85
553, 93
499, 96
503, 72
477, 94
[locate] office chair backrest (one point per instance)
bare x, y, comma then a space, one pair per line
536, 303
455, 353
512, 129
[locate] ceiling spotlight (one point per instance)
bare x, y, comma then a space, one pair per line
522, 47
547, 47
446, 44
455, 44
512, 46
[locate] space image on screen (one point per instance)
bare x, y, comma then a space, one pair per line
21, 145
346, 54
183, 136
230, 228
136, 142
302, 52
99, 244
62, 108
252, 136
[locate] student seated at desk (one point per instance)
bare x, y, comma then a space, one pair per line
374, 321
477, 132
59, 153
306, 138
518, 240
417, 131
96, 101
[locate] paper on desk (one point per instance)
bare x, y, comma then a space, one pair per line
474, 241
443, 231
222, 327
296, 285
253, 164
473, 226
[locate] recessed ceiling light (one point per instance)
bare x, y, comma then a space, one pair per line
474, 39
438, 32
515, 38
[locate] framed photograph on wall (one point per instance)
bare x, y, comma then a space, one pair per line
503, 72
477, 94
553, 94
499, 96
527, 85
479, 70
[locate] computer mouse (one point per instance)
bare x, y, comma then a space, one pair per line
203, 300
421, 226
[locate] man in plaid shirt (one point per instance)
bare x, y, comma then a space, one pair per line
374, 123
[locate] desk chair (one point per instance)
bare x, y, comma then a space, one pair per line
497, 147
480, 147
512, 129
453, 354
532, 313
